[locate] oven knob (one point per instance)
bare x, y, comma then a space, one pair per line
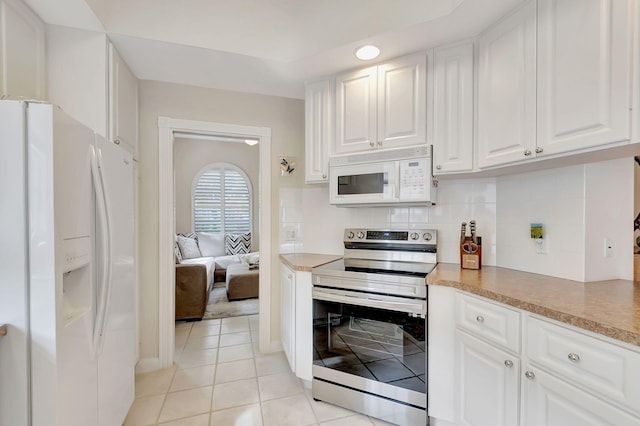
427, 236
350, 235
361, 235
414, 236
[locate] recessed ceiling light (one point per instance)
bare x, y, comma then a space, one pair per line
251, 142
367, 52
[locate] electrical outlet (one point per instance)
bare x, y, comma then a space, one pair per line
608, 247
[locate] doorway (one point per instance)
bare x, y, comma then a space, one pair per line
168, 130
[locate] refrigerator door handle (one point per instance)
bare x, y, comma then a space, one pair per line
105, 231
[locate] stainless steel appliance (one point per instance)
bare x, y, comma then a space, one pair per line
399, 177
370, 324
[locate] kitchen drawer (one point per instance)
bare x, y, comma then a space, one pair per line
601, 367
493, 322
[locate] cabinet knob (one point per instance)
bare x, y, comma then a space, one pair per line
529, 375
573, 357
379, 143
480, 318
289, 276
438, 167
539, 150
527, 152
324, 176
508, 363
116, 141
372, 143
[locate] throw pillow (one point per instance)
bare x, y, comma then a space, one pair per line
188, 247
178, 255
211, 244
237, 243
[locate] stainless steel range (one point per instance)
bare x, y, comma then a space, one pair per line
370, 324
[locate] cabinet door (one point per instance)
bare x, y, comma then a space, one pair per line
402, 102
123, 102
549, 401
453, 109
22, 52
318, 130
488, 384
507, 89
356, 111
583, 73
287, 314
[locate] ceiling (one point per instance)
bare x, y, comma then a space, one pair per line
267, 46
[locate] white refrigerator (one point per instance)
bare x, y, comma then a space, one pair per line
67, 290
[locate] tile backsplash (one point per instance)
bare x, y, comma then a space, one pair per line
579, 206
320, 225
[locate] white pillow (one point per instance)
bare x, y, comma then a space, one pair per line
211, 244
188, 247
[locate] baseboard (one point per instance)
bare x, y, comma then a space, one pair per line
146, 365
275, 346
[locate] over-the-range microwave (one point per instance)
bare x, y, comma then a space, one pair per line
399, 177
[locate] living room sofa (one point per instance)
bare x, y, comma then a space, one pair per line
201, 259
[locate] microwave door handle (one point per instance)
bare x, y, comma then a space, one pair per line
385, 178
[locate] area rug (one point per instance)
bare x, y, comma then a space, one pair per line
220, 307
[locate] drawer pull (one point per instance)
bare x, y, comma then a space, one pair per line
573, 357
529, 375
480, 318
508, 363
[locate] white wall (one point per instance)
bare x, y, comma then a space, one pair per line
579, 206
190, 156
284, 116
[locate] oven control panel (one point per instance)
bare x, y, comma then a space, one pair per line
410, 236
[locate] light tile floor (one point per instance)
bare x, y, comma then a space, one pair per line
220, 378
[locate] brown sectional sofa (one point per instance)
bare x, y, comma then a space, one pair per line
195, 277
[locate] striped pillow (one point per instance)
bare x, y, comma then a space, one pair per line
237, 243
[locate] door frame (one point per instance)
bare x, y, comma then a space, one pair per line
167, 130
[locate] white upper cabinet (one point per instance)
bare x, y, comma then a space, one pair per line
123, 103
22, 52
507, 89
402, 102
356, 108
101, 92
583, 73
382, 107
453, 109
318, 101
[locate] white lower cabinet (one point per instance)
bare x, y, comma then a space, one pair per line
287, 314
488, 383
296, 320
564, 376
550, 401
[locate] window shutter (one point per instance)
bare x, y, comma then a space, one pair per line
222, 202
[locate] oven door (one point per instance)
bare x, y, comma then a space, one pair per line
371, 343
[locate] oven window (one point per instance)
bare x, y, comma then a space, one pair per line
376, 344
370, 183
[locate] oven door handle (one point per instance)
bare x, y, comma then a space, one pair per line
415, 308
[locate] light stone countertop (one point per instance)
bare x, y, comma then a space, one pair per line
610, 308
304, 262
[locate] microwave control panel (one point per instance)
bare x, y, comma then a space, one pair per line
415, 178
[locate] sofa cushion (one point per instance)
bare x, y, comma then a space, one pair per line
211, 244
223, 262
207, 261
237, 243
251, 259
188, 247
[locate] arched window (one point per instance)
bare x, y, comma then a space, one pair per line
222, 200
